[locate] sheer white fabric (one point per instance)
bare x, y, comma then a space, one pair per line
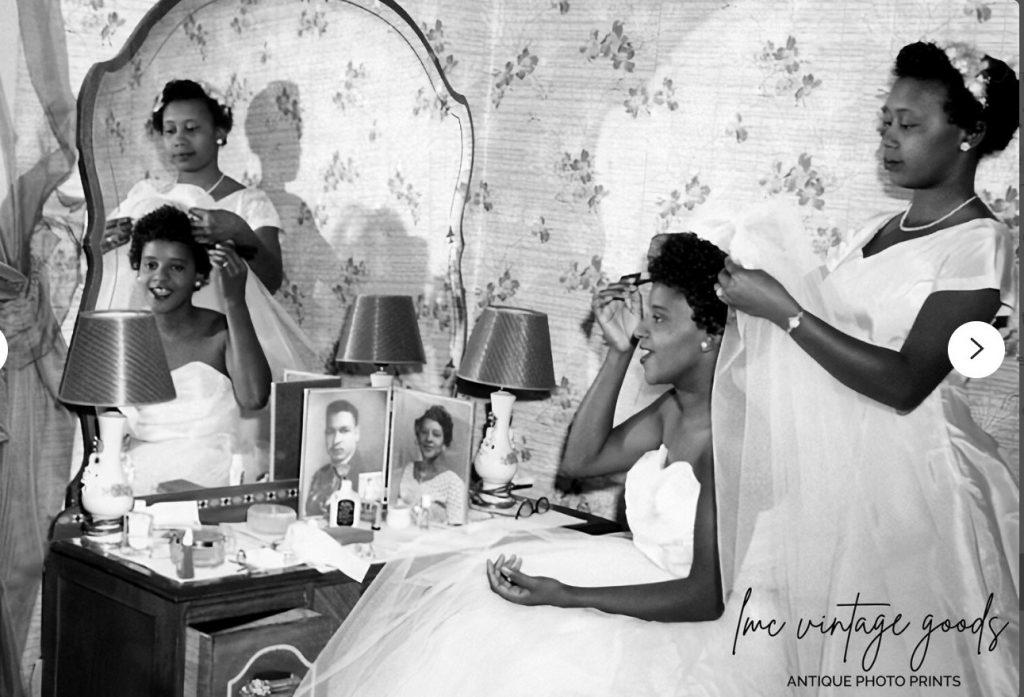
913, 510
432, 626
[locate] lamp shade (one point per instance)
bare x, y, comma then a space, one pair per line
116, 359
509, 347
381, 329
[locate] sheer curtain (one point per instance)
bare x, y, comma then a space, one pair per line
37, 115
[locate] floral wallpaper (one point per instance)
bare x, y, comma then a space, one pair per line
596, 126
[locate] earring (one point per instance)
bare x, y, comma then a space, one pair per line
220, 141
965, 146
199, 284
706, 345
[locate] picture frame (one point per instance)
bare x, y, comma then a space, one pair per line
292, 375
451, 497
287, 406
342, 429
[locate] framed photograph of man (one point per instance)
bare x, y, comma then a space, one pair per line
344, 434
430, 453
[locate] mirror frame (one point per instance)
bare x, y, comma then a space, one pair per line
88, 107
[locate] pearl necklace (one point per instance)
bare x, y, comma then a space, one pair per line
918, 228
217, 183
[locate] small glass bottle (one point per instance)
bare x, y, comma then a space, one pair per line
421, 513
343, 507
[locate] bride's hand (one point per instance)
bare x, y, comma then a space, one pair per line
516, 587
227, 273
617, 309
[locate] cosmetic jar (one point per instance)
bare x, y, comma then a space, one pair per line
399, 517
207, 547
269, 518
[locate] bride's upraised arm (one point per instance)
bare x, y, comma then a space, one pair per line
246, 363
593, 447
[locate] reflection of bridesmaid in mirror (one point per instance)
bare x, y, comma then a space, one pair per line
193, 126
432, 474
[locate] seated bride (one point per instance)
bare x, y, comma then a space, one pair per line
444, 625
216, 362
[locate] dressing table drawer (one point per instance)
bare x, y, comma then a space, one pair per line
223, 657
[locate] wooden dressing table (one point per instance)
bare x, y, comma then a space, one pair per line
114, 628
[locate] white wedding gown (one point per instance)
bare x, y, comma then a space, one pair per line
912, 512
431, 626
192, 437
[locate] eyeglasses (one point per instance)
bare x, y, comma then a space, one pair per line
530, 506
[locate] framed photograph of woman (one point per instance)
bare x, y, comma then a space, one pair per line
344, 434
430, 454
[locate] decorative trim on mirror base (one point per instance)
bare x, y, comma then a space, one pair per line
216, 505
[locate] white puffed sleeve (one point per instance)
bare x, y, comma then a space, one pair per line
978, 258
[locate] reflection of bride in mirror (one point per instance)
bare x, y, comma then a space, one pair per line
215, 359
192, 127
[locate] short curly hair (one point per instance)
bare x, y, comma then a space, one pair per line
928, 62
169, 224
184, 90
440, 415
690, 265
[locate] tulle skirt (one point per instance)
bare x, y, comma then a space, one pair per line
432, 626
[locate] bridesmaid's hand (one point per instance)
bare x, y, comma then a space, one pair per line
513, 585
116, 232
617, 309
213, 226
227, 273
755, 292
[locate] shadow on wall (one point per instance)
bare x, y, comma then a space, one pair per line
396, 262
273, 127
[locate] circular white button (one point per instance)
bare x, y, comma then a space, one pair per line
976, 349
3, 349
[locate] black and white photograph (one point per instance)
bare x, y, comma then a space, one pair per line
430, 441
732, 285
344, 435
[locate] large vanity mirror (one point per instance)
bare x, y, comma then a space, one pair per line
342, 115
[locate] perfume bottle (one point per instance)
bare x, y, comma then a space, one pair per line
421, 512
344, 507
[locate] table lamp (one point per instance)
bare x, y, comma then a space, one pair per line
116, 359
382, 330
510, 348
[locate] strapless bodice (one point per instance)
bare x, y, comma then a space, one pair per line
661, 507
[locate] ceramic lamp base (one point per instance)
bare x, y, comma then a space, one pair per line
381, 378
492, 499
104, 532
